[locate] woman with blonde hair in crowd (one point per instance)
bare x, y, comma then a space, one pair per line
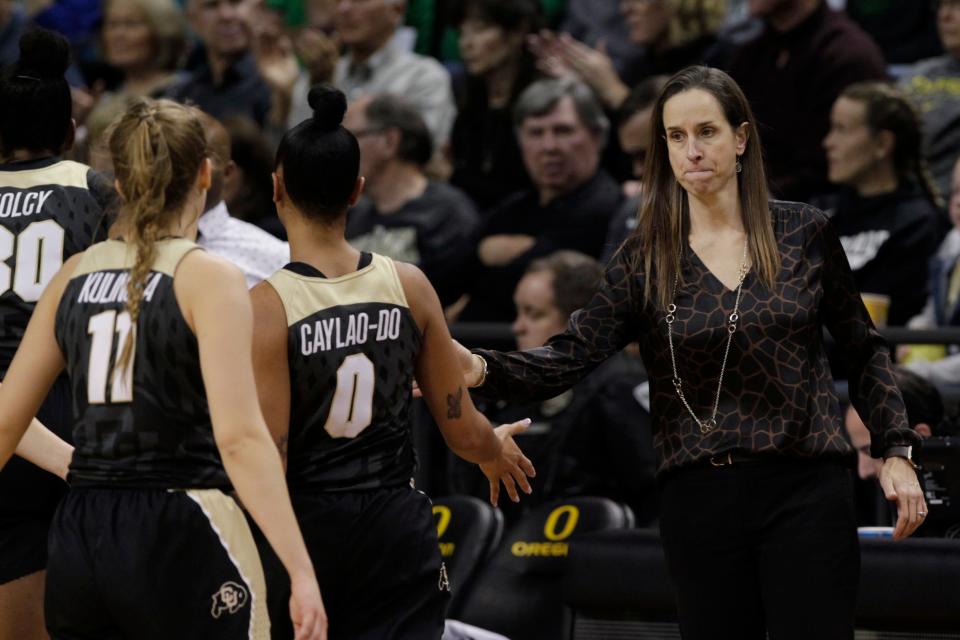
145, 40
156, 338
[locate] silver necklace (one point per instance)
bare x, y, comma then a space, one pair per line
708, 425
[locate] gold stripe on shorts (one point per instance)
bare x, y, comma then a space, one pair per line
228, 522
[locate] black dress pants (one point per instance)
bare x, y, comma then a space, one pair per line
762, 547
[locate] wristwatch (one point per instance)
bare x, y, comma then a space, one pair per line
900, 451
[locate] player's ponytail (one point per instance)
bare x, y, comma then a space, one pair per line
157, 149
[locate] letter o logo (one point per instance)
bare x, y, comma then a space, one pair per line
550, 529
443, 519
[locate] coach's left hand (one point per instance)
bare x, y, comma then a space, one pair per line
898, 479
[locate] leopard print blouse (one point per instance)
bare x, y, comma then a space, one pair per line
777, 395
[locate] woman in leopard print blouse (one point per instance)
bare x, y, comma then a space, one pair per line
727, 294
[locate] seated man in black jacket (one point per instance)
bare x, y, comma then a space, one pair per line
405, 215
562, 131
592, 440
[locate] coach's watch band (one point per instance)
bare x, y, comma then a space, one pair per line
900, 451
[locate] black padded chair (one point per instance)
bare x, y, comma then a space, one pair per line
468, 530
518, 593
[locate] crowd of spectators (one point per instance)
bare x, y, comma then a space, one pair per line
495, 133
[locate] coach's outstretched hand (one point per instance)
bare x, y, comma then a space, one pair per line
511, 467
306, 609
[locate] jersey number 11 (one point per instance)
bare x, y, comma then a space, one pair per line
102, 328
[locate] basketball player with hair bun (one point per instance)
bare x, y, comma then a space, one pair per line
339, 336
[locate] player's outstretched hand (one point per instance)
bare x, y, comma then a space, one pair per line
306, 609
511, 467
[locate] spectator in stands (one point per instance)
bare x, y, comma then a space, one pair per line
600, 24
673, 35
634, 134
257, 253
407, 216
291, 64
376, 62
593, 439
227, 83
943, 305
144, 40
925, 413
486, 157
934, 86
793, 73
248, 189
562, 130
904, 31
13, 21
888, 216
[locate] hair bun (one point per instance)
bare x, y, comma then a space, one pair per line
329, 104
43, 54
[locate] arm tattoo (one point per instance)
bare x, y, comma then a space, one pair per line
453, 403
282, 442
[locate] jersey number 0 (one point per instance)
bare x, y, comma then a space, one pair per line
351, 410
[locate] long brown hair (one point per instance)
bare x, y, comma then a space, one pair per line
157, 149
887, 109
664, 222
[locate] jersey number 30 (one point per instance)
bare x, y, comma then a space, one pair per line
102, 327
351, 410
39, 249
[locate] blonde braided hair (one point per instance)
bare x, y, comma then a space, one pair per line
157, 149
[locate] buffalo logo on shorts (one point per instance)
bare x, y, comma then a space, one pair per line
230, 597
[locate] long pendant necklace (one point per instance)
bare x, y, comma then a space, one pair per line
708, 425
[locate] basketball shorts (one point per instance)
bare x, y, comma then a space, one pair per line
29, 495
152, 565
377, 561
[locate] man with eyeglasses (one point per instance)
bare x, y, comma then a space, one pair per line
405, 215
377, 61
934, 87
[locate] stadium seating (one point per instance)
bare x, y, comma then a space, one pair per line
518, 593
468, 530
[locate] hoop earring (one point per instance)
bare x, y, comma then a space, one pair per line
738, 166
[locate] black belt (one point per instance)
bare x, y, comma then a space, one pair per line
733, 458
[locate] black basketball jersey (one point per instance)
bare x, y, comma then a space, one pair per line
50, 209
146, 425
352, 344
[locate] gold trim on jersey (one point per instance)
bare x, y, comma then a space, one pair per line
303, 296
227, 521
65, 173
116, 254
